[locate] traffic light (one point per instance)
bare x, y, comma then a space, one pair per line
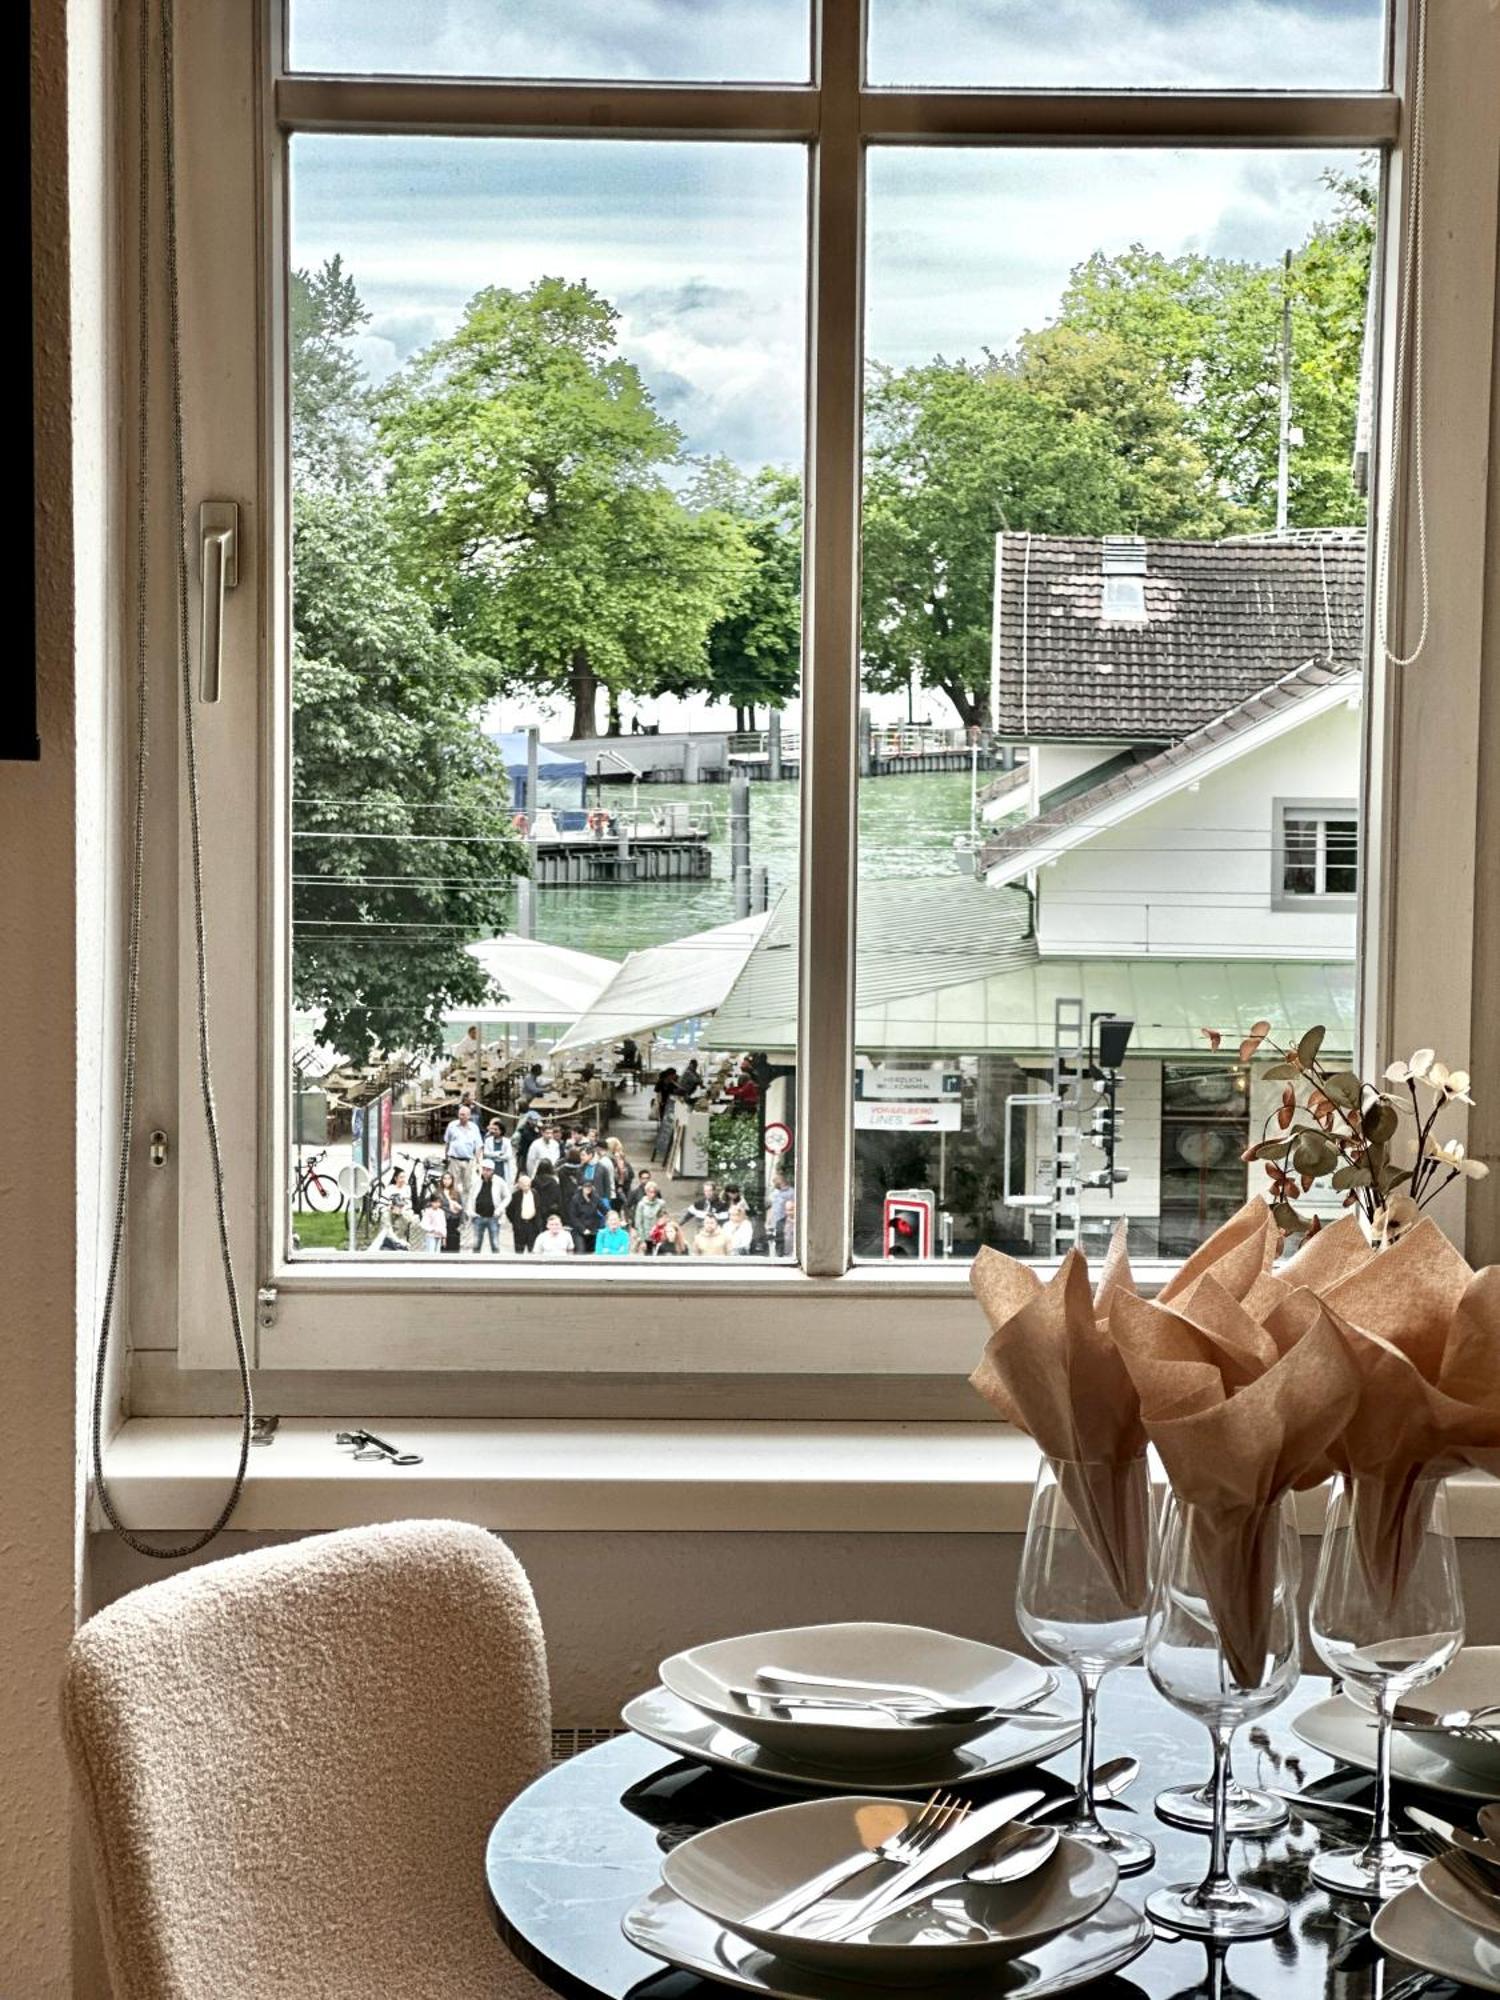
909, 1215
1104, 1129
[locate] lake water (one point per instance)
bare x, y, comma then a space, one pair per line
906, 828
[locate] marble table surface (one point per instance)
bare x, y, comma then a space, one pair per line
576, 1849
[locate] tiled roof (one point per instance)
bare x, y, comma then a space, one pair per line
1222, 620
1288, 692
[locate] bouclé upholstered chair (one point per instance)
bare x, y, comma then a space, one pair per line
289, 1762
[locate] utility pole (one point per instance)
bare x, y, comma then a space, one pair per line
1284, 427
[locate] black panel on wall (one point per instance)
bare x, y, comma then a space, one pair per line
18, 731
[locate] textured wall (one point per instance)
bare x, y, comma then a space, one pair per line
53, 936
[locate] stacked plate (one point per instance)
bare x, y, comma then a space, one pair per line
783, 1901
854, 1708
1446, 1926
1462, 1761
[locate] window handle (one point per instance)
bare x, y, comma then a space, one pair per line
219, 568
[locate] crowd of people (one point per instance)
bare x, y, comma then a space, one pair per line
556, 1190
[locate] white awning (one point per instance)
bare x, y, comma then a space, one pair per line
541, 982
667, 983
948, 969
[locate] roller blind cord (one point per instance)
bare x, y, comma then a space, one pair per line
1408, 384
141, 638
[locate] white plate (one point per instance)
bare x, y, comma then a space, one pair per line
1341, 1730
1459, 1900
1413, 1927
962, 1671
661, 1717
666, 1927
730, 1871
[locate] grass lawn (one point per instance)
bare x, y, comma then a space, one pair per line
328, 1232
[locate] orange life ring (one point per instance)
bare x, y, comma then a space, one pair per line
598, 821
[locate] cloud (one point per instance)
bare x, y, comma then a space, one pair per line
702, 247
1130, 44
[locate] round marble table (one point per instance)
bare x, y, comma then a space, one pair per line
577, 1848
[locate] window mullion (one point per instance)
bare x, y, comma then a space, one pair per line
831, 646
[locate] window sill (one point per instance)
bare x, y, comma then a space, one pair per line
171, 1474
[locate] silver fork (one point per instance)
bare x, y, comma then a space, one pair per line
1472, 1873
902, 1847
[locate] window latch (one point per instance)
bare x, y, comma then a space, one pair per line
219, 569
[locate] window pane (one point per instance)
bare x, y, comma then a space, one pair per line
547, 544
711, 41
1341, 869
1093, 671
1300, 876
1130, 44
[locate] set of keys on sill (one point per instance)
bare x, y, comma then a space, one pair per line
371, 1450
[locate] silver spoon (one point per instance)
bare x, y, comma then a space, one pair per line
1014, 1854
1114, 1776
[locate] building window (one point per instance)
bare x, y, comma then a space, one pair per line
1317, 852
1124, 597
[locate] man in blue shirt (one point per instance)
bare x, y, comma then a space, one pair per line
462, 1146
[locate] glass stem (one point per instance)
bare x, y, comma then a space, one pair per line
1218, 1859
1088, 1683
1383, 1837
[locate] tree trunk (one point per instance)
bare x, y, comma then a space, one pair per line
613, 728
968, 708
584, 683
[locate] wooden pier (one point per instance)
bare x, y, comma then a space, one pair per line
621, 860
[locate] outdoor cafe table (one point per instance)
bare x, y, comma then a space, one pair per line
569, 1856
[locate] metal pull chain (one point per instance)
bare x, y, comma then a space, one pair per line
190, 759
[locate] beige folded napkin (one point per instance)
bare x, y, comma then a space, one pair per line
1238, 1421
1051, 1369
1423, 1331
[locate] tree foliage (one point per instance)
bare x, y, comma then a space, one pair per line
331, 441
527, 465
754, 652
386, 737
402, 850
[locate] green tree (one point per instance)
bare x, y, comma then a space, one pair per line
754, 652
527, 466
402, 850
1165, 483
331, 440
954, 452
1208, 329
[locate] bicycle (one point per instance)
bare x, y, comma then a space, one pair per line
317, 1191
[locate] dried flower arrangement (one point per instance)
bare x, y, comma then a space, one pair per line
1331, 1124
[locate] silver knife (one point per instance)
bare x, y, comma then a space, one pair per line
976, 1830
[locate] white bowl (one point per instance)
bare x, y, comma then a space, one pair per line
731, 1871
962, 1671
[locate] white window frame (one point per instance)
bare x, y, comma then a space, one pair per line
822, 1320
1320, 812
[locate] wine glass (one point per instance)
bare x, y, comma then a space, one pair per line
1385, 1641
1188, 1663
1085, 1612
1246, 1812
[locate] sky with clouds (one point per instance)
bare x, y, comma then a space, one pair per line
702, 247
